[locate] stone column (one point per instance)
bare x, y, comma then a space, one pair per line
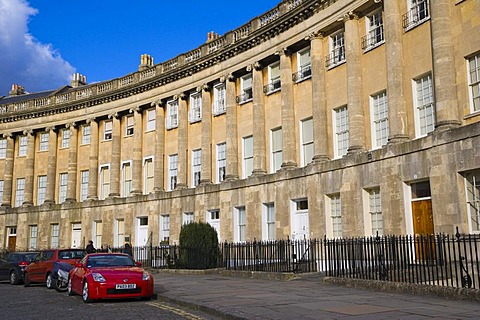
29, 168
206, 174
159, 146
52, 166
182, 142
446, 104
319, 99
259, 147
72, 163
8, 173
288, 113
232, 130
397, 106
356, 119
115, 157
93, 161
137, 152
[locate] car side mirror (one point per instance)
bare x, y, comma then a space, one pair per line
139, 264
78, 265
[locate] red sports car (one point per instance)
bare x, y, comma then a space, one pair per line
109, 276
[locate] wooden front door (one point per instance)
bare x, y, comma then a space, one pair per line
423, 229
12, 243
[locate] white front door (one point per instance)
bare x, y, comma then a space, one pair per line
213, 218
141, 238
76, 235
299, 220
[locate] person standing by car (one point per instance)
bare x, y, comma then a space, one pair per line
128, 249
90, 248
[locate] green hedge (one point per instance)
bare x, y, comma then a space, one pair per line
198, 246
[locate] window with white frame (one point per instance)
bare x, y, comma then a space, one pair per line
247, 156
219, 102
3, 148
62, 188
20, 192
337, 49
164, 228
54, 235
43, 145
379, 112
240, 223
104, 189
172, 114
341, 131
245, 89
375, 211
32, 241
276, 145
187, 217
150, 114
304, 66
195, 113
84, 174
41, 189
129, 125
274, 83
424, 106
119, 229
22, 146
472, 186
213, 218
97, 233
221, 161
148, 175
417, 13
86, 134
268, 218
307, 151
196, 167
65, 138
474, 82
172, 171
126, 178
336, 216
1, 191
107, 130
374, 36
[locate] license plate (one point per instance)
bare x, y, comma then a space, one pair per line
126, 286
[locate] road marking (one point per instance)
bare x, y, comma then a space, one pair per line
177, 311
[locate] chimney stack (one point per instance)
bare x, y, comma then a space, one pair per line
146, 61
17, 90
78, 80
211, 36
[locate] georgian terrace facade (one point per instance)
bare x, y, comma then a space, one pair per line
337, 118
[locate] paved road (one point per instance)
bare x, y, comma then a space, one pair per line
37, 302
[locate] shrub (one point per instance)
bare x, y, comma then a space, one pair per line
198, 246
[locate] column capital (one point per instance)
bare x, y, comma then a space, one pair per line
231, 77
51, 128
135, 109
350, 16
114, 115
71, 125
30, 132
183, 96
158, 103
315, 35
284, 51
90, 120
7, 135
257, 66
205, 87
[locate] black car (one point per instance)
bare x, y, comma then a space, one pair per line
13, 265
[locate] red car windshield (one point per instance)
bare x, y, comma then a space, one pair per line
109, 260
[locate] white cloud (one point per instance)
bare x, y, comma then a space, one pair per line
23, 59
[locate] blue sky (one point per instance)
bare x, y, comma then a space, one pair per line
43, 42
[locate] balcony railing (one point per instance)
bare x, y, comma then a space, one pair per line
272, 87
335, 57
374, 38
246, 96
305, 72
416, 15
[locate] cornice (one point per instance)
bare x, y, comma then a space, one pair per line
286, 15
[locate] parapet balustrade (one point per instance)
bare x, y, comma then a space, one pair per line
209, 48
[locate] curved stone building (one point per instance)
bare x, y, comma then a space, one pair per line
319, 117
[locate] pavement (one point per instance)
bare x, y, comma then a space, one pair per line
304, 297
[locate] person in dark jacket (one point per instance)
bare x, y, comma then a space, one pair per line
128, 249
90, 248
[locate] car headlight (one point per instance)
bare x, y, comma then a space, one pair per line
98, 277
146, 276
